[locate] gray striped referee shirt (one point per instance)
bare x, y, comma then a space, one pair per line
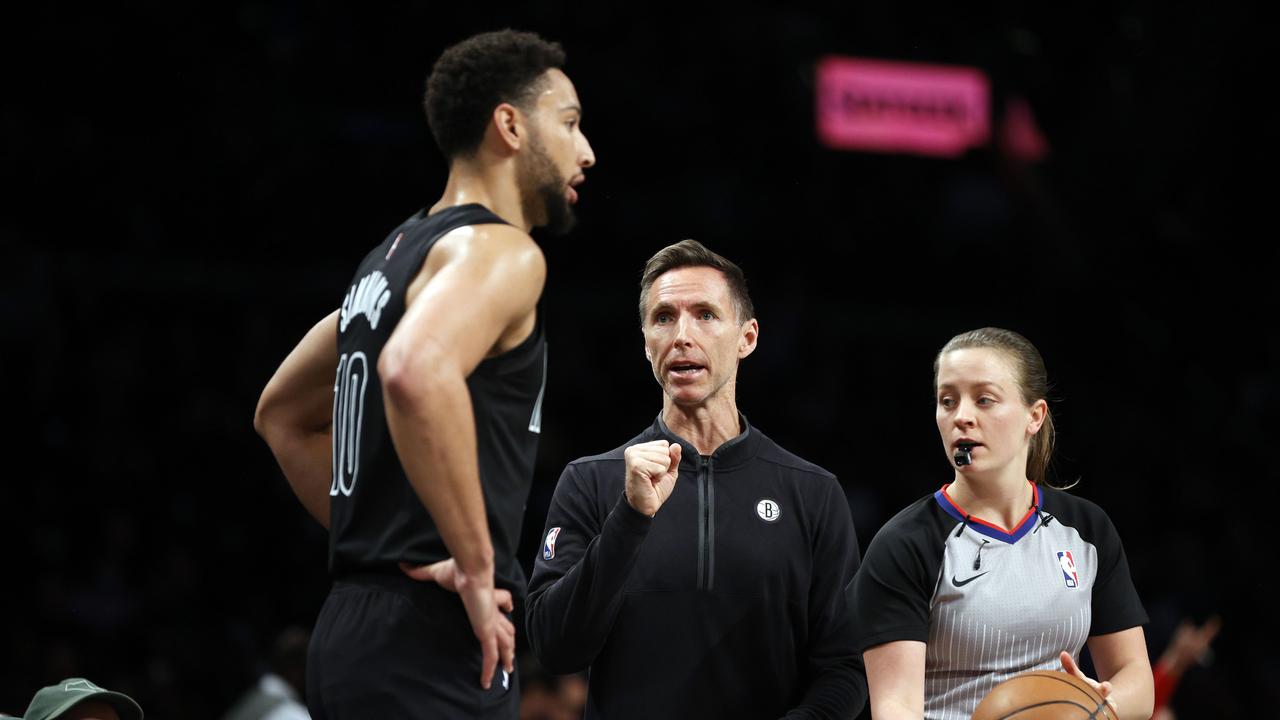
989, 602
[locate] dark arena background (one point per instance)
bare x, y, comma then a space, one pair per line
191, 187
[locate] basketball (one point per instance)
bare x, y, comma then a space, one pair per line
1043, 695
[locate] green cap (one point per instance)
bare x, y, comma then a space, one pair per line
56, 699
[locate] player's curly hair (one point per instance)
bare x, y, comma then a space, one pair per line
474, 76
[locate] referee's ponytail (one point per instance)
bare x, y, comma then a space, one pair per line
1041, 452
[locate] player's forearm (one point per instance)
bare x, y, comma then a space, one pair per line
433, 428
301, 442
306, 458
295, 416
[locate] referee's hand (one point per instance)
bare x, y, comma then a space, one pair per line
1104, 688
496, 633
652, 469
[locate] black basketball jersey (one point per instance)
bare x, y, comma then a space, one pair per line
376, 518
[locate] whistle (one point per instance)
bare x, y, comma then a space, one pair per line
964, 454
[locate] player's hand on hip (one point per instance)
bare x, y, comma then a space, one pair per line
495, 632
652, 469
1103, 688
444, 574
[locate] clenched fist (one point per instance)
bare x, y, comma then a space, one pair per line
652, 469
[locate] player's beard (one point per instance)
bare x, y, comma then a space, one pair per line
542, 190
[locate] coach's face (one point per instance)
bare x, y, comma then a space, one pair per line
552, 164
692, 335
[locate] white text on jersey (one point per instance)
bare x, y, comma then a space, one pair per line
367, 297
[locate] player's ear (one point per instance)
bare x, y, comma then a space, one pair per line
508, 126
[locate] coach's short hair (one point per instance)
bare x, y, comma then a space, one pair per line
691, 253
476, 75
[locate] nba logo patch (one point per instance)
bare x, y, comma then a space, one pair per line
549, 547
1068, 566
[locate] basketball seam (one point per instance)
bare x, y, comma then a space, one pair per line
1024, 708
1050, 675
1102, 707
1101, 711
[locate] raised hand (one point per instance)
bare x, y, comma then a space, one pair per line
1190, 644
652, 469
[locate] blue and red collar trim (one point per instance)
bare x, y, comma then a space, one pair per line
991, 530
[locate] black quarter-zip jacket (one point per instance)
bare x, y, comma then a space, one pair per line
729, 602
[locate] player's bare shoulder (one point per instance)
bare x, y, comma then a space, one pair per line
500, 248
510, 247
498, 263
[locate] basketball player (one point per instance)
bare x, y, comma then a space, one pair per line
699, 569
995, 574
422, 451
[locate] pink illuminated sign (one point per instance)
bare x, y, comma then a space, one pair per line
887, 106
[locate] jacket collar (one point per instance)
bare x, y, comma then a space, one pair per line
732, 452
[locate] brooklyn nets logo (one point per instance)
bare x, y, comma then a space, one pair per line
348, 421
768, 510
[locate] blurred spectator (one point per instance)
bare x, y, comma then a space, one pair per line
1190, 644
572, 693
544, 696
276, 694
79, 699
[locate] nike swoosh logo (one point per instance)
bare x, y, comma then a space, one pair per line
962, 583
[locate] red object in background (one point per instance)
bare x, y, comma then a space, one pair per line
1020, 135
886, 106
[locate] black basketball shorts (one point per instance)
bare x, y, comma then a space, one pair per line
391, 647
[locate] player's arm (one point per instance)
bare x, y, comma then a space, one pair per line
484, 287
295, 416
895, 679
1124, 672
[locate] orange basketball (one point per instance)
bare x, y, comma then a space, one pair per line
1043, 695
